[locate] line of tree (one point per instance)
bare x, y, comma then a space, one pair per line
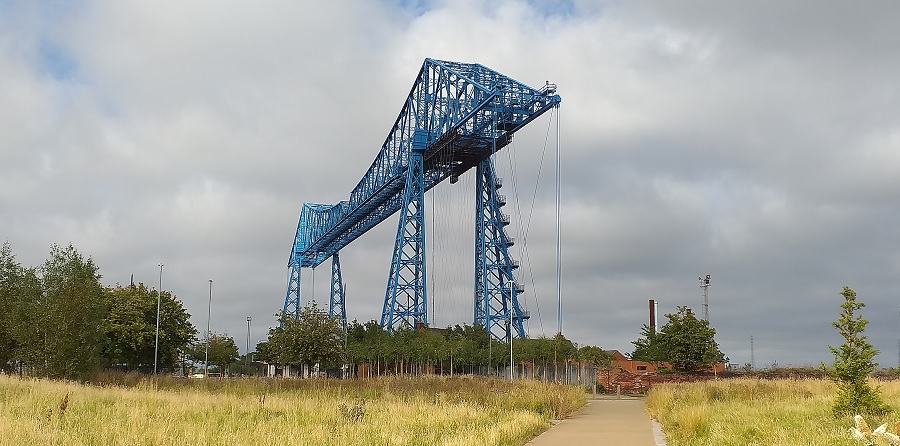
58, 321
314, 338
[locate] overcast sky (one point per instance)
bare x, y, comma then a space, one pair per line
753, 141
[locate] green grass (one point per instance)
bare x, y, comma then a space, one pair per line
750, 412
388, 411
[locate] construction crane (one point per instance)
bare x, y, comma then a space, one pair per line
457, 115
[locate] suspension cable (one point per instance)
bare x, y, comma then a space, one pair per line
526, 256
558, 247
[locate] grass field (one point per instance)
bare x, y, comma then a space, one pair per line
387, 411
749, 412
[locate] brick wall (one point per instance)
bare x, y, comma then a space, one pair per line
616, 380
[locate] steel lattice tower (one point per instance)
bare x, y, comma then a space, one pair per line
496, 290
336, 306
405, 301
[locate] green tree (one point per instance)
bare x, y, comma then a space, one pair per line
12, 277
434, 347
595, 356
649, 347
130, 328
367, 343
220, 349
60, 331
563, 348
471, 346
312, 338
263, 354
687, 343
853, 361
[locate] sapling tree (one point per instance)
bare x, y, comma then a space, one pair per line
853, 362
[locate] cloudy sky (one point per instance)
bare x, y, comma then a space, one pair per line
756, 142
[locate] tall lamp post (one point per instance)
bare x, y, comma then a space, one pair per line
248, 343
704, 283
208, 313
158, 298
509, 330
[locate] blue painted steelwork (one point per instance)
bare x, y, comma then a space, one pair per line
405, 300
292, 301
312, 216
496, 290
455, 116
336, 307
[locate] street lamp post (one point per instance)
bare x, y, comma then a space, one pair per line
704, 283
248, 343
509, 330
208, 313
158, 298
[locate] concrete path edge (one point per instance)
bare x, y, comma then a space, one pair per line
658, 434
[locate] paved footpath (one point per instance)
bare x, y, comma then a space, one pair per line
604, 421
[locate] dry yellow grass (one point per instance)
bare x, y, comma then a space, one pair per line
391, 411
750, 412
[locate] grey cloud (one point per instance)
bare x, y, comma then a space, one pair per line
753, 142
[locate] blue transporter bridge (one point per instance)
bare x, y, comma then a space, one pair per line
457, 115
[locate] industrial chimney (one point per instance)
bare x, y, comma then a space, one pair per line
656, 316
654, 308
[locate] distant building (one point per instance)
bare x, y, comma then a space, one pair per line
622, 362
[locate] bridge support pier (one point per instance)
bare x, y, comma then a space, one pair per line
405, 301
496, 306
336, 306
292, 299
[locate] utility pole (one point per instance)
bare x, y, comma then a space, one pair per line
208, 314
704, 283
158, 298
248, 343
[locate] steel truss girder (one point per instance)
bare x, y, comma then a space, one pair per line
336, 308
496, 306
405, 300
451, 113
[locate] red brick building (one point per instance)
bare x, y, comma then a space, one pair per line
622, 362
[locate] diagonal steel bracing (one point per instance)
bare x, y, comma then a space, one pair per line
497, 307
455, 116
405, 302
336, 307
